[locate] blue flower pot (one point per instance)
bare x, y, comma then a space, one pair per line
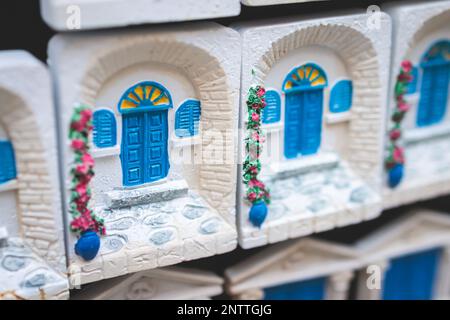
88, 245
395, 175
258, 213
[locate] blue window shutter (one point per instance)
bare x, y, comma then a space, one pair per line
423, 118
271, 112
104, 133
187, 119
313, 289
7, 162
412, 86
341, 96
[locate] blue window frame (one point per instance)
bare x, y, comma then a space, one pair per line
7, 162
313, 289
341, 96
144, 153
412, 86
187, 119
303, 88
272, 111
104, 132
412, 277
435, 66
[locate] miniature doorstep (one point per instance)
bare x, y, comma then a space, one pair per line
407, 259
164, 115
325, 95
306, 269
73, 15
32, 257
410, 258
170, 283
255, 3
421, 36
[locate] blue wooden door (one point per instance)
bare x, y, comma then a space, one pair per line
435, 83
412, 277
311, 121
303, 127
313, 289
144, 147
433, 94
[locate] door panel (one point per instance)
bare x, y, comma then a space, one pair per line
312, 121
132, 149
292, 127
412, 277
156, 151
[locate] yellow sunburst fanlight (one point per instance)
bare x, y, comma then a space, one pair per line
439, 53
307, 75
145, 94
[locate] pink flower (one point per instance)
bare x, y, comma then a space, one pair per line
256, 183
407, 66
395, 134
77, 144
86, 115
251, 196
398, 155
81, 189
253, 170
256, 106
255, 117
261, 92
403, 106
255, 136
87, 160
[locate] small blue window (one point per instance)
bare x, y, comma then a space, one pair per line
271, 112
104, 132
341, 96
7, 162
412, 86
187, 118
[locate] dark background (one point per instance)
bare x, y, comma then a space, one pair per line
21, 27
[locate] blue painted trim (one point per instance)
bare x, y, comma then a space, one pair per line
144, 107
305, 87
341, 96
104, 133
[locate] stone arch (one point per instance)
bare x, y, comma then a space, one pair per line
210, 82
436, 22
35, 203
360, 57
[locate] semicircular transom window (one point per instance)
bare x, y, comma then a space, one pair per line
306, 76
145, 95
